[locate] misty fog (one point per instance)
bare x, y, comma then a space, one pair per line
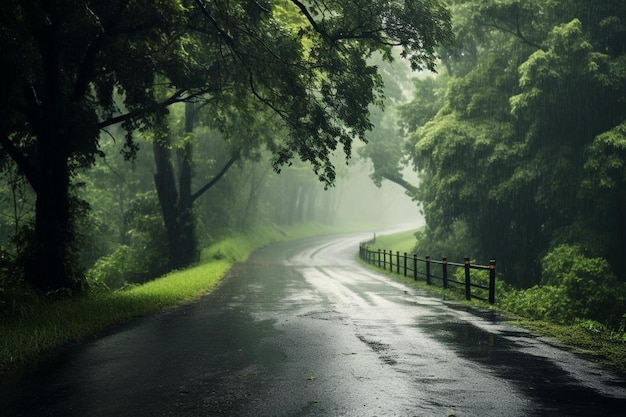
360, 201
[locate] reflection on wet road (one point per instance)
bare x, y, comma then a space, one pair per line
302, 329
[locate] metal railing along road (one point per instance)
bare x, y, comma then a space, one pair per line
410, 264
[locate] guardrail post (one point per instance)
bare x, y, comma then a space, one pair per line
444, 268
492, 281
379, 257
390, 260
384, 259
468, 290
398, 262
415, 266
405, 264
428, 270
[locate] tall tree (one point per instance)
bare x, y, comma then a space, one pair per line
65, 60
515, 148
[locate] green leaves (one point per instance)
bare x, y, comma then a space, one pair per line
527, 147
304, 61
74, 67
588, 285
606, 160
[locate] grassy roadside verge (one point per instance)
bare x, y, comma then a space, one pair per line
44, 325
591, 343
402, 242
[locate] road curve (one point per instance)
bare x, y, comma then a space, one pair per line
302, 329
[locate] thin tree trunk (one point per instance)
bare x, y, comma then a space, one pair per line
257, 184
166, 191
187, 248
187, 251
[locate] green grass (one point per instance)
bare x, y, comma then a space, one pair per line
402, 242
50, 324
596, 344
43, 325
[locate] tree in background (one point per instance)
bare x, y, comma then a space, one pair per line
66, 61
243, 131
385, 142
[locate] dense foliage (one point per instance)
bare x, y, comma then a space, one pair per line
75, 68
131, 244
519, 144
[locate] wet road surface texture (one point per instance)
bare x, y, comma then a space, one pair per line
301, 329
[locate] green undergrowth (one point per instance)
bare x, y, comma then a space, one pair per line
402, 242
44, 325
585, 337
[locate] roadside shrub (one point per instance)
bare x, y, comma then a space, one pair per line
592, 289
477, 277
574, 289
144, 254
16, 296
147, 237
111, 271
455, 242
547, 302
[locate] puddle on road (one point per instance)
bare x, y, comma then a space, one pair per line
328, 315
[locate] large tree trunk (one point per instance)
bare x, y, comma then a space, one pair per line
177, 205
176, 209
51, 263
51, 266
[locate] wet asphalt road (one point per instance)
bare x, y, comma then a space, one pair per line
302, 329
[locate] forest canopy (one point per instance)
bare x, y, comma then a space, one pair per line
519, 147
75, 71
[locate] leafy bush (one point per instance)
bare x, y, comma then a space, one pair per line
144, 254
539, 303
454, 242
575, 288
591, 287
111, 271
146, 235
15, 295
478, 277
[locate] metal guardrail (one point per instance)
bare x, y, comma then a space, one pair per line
407, 264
